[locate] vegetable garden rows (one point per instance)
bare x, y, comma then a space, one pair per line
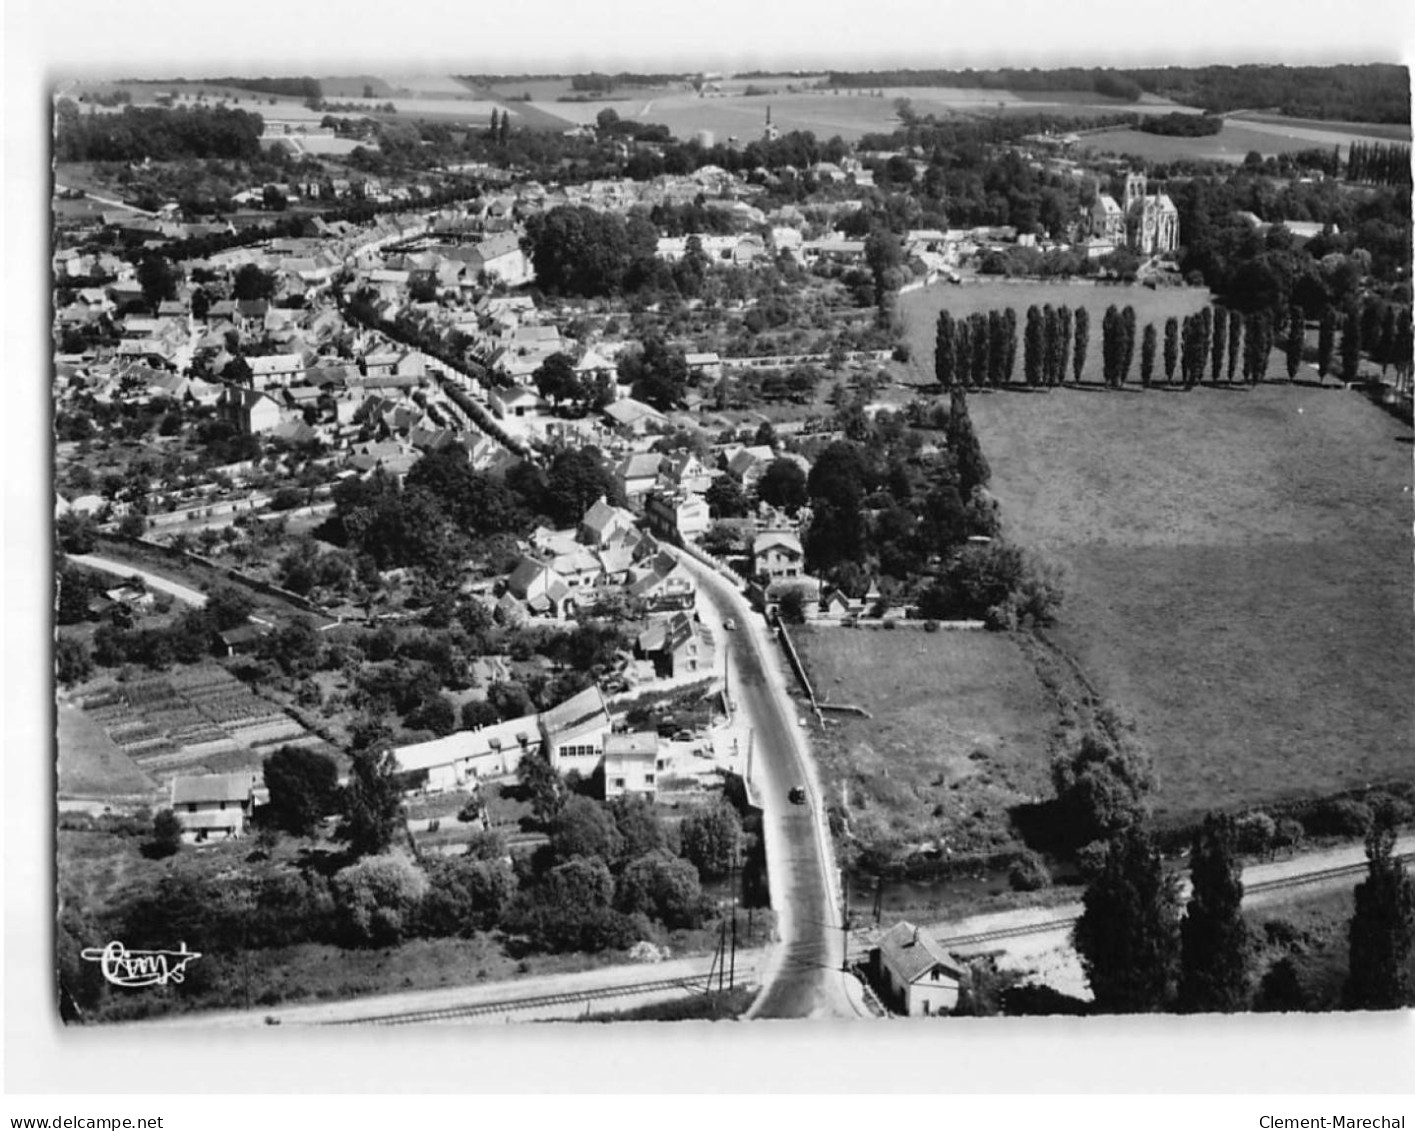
197, 720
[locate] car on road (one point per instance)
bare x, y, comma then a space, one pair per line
797, 795
730, 625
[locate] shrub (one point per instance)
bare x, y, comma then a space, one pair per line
377, 899
1340, 817
1389, 809
1255, 832
1029, 873
166, 836
1288, 833
930, 625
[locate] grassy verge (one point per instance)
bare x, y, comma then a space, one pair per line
959, 732
725, 1006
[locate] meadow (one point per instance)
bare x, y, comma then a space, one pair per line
959, 732
920, 310
1239, 137
1239, 576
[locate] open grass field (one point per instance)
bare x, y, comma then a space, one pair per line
90, 763
1239, 137
1381, 131
920, 310
1240, 576
959, 731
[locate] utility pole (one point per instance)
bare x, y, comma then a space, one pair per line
732, 962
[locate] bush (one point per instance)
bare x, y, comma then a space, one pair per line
1255, 832
1288, 833
1389, 809
1341, 817
166, 836
377, 899
1029, 873
930, 625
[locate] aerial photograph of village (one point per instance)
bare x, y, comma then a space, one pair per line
731, 545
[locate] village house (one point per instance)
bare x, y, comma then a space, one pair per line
251, 411
777, 554
916, 975
603, 522
631, 763
574, 732
215, 806
637, 474
675, 645
468, 756
676, 515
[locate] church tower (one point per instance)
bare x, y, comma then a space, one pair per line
771, 133
1134, 190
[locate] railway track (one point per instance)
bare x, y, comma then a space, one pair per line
697, 983
1064, 921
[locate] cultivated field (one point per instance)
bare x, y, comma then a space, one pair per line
959, 732
193, 720
1240, 579
1236, 140
920, 310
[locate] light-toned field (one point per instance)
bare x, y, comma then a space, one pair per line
920, 310
959, 731
1233, 143
90, 763
1240, 576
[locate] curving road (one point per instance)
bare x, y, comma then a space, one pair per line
803, 977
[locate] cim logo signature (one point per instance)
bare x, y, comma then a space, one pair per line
124, 967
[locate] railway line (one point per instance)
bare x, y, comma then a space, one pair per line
694, 983
1061, 922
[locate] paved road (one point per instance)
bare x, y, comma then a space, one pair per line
803, 978
152, 580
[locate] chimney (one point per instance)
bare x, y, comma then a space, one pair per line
916, 937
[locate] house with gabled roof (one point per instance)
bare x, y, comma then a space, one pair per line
215, 806
777, 554
573, 733
603, 521
631, 763
675, 645
637, 474
914, 973
634, 417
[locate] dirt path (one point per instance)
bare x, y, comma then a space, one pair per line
152, 580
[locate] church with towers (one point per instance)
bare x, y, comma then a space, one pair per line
1146, 223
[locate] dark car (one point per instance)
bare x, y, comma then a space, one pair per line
797, 795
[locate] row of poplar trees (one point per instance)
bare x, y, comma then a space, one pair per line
1142, 953
979, 351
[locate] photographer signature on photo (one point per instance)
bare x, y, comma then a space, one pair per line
131, 968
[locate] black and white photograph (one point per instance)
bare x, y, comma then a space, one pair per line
909, 539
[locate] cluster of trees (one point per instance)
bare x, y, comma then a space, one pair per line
138, 133
1181, 125
586, 253
499, 130
1144, 950
1371, 162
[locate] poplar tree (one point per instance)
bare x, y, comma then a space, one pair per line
1382, 929
945, 368
1127, 354
1111, 346
1063, 320
1205, 343
963, 353
1009, 359
1351, 345
997, 347
1220, 341
1235, 342
1296, 335
1051, 345
1033, 346
1128, 934
982, 343
1326, 341
1171, 348
1147, 354
1213, 959
1083, 340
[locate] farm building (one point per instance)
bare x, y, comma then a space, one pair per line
917, 975
215, 806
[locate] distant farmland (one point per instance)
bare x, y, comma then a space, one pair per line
1240, 578
1239, 137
